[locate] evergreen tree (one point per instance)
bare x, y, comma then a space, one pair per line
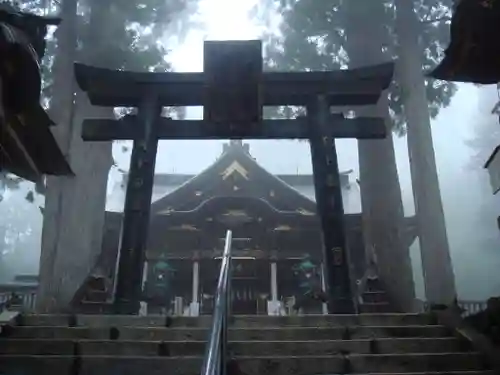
334, 34
439, 278
109, 34
315, 35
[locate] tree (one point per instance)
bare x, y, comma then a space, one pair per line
333, 34
109, 34
439, 278
313, 35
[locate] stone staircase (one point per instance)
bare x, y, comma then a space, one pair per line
259, 345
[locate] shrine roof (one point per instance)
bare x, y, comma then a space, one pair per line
294, 180
175, 179
235, 174
255, 186
29, 149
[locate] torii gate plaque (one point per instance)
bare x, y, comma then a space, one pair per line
233, 89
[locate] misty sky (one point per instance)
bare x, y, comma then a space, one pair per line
461, 188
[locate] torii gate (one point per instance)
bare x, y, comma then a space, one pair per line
233, 90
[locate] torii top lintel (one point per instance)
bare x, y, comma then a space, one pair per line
352, 87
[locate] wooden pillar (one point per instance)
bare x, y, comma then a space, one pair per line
145, 273
135, 224
323, 286
195, 304
143, 310
274, 281
330, 207
273, 304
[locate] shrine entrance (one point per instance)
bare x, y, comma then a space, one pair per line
249, 288
233, 90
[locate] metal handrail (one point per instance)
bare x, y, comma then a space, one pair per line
215, 360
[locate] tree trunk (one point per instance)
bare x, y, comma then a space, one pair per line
382, 205
76, 205
62, 106
383, 215
437, 267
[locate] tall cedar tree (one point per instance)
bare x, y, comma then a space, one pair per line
313, 35
110, 34
333, 34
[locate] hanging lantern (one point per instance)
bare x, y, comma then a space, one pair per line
473, 54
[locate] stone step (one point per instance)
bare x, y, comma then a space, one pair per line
238, 321
95, 308
96, 296
247, 348
374, 296
373, 284
304, 365
238, 334
375, 307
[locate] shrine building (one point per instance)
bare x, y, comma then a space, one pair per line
274, 224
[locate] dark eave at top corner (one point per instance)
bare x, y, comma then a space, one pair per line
360, 86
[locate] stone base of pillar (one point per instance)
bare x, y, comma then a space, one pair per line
418, 306
324, 308
143, 311
194, 309
274, 308
178, 306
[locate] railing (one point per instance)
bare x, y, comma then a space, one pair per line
23, 296
215, 361
471, 307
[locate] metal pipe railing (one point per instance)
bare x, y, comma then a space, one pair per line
216, 353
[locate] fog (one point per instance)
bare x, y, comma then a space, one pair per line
470, 208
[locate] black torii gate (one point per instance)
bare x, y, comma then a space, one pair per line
233, 90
